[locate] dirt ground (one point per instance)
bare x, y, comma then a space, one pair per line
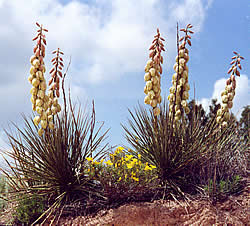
234, 211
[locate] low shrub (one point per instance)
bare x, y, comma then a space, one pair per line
124, 177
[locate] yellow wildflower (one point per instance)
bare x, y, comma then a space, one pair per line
152, 166
135, 178
119, 179
130, 165
120, 149
147, 168
90, 159
128, 157
109, 163
139, 156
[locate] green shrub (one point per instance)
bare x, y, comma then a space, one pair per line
3, 192
224, 188
29, 208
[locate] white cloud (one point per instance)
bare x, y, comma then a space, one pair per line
106, 38
241, 98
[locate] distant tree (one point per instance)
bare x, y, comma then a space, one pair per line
213, 108
198, 111
244, 122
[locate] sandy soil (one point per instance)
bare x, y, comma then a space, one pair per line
234, 211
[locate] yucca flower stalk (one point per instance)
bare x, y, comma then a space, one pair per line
39, 99
153, 71
179, 91
228, 93
45, 105
54, 83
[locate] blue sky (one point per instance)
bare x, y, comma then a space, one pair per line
109, 40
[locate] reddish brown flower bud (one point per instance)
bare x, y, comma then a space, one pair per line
228, 81
50, 81
230, 70
57, 93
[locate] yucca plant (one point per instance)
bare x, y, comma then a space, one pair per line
54, 165
51, 161
173, 150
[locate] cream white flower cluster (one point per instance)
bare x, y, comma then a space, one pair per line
152, 77
45, 105
153, 86
227, 95
180, 88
